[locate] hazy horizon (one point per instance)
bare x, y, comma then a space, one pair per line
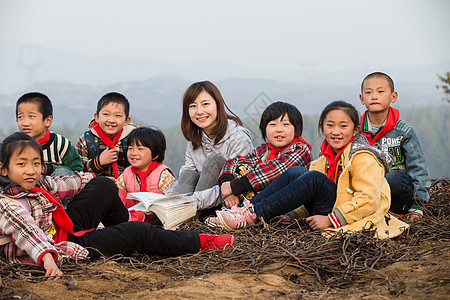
199, 40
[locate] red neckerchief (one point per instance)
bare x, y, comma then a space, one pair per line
333, 159
143, 175
392, 119
44, 139
108, 142
274, 152
63, 223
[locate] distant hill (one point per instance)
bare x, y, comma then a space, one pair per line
75, 82
22, 64
157, 101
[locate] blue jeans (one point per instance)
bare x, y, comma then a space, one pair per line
401, 191
294, 188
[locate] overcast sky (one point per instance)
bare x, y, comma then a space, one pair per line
279, 35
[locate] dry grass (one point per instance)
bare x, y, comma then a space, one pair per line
309, 262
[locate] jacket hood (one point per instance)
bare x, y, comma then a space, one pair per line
232, 128
4, 183
8, 187
360, 142
126, 129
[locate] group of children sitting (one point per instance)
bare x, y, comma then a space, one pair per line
53, 196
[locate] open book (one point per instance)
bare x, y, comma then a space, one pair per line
171, 210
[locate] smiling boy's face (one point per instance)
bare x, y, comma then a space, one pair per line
30, 120
112, 118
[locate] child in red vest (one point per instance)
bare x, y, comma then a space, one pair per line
147, 173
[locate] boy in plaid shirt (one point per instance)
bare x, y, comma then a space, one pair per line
103, 147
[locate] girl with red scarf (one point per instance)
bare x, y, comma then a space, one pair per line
36, 228
345, 187
281, 125
147, 173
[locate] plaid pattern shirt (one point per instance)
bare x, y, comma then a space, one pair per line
30, 233
263, 171
92, 164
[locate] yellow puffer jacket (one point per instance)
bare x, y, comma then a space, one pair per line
363, 194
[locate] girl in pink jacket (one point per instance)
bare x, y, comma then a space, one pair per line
147, 173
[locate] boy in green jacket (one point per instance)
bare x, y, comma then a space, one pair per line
34, 113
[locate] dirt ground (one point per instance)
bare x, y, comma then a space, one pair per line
415, 266
424, 278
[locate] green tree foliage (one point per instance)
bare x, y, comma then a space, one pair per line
432, 127
176, 148
446, 86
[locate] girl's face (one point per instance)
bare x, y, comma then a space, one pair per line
338, 129
280, 133
203, 112
140, 157
24, 168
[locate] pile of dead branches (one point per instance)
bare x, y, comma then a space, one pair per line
306, 258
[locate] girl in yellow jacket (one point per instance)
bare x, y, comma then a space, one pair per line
345, 188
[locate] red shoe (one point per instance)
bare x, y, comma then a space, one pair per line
136, 215
213, 241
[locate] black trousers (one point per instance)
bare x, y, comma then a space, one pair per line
99, 202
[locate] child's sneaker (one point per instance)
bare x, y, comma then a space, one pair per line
213, 222
136, 215
237, 217
213, 241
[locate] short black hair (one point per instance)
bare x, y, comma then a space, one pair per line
380, 75
151, 138
277, 109
18, 141
43, 102
114, 97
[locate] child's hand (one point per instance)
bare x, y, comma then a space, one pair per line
318, 222
231, 200
52, 270
412, 216
108, 157
283, 219
225, 189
